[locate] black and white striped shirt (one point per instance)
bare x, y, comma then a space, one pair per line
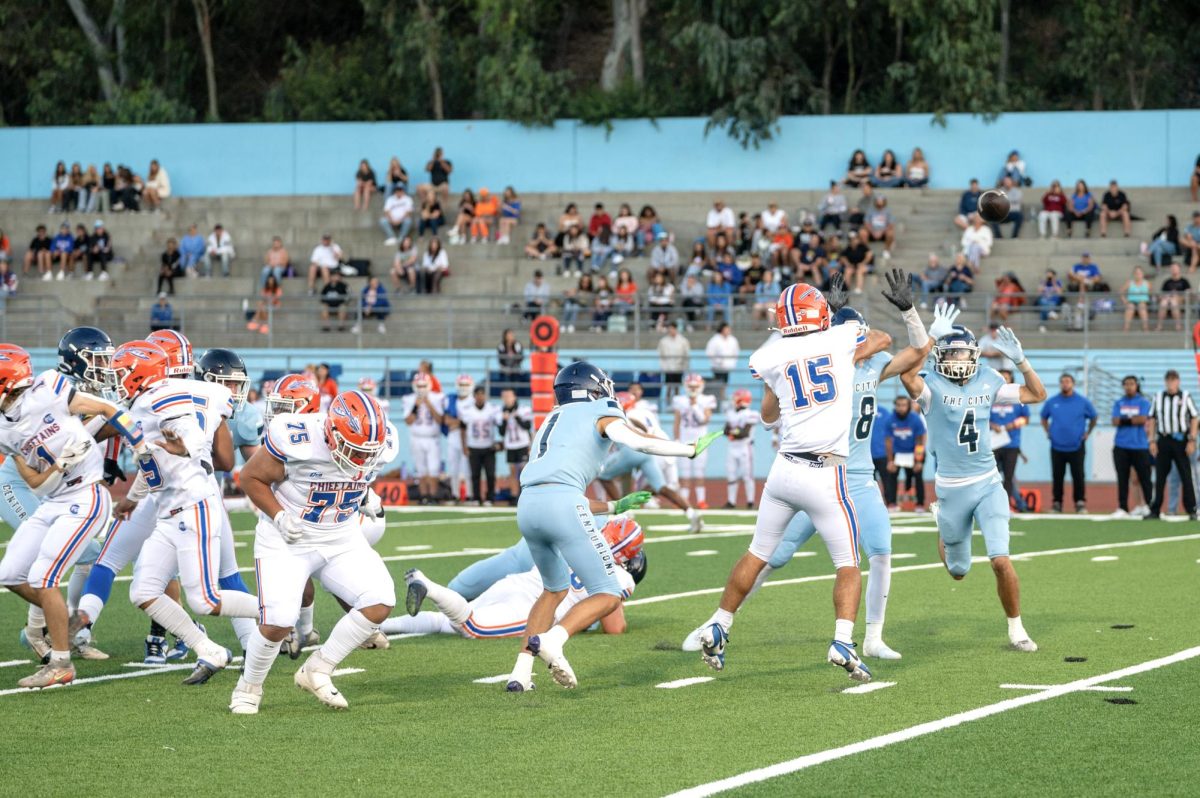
1173, 413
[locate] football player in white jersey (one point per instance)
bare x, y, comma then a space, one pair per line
177, 472
458, 465
56, 456
423, 415
740, 421
808, 385
693, 410
310, 479
371, 388
503, 609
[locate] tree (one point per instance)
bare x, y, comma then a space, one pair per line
204, 27
510, 80
101, 44
626, 36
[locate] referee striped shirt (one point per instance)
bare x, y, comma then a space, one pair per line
1173, 413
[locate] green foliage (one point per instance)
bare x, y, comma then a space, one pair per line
327, 83
143, 105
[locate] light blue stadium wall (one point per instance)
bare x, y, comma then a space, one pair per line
1138, 148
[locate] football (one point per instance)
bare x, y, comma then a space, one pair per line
993, 205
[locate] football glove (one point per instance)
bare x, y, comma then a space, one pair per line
631, 502
73, 454
113, 472
704, 442
372, 505
289, 526
943, 320
836, 295
899, 291
1008, 345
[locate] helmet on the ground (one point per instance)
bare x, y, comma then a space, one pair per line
625, 538
582, 382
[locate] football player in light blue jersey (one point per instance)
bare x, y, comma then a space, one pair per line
556, 518
957, 398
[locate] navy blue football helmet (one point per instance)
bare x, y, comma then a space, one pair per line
225, 367
848, 314
636, 566
85, 355
582, 382
957, 354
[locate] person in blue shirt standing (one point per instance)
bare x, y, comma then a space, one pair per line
1131, 447
904, 447
1068, 419
1007, 420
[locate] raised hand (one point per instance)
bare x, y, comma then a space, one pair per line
836, 295
943, 320
1008, 345
899, 291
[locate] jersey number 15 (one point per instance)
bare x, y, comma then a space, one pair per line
819, 388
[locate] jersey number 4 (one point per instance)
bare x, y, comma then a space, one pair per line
968, 434
819, 388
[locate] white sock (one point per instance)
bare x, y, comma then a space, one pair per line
1016, 630
453, 605
347, 635
701, 493
236, 604
61, 658
169, 615
423, 623
260, 655
843, 630
879, 582
79, 575
243, 628
91, 605
749, 484
555, 636
731, 492
722, 617
305, 624
36, 619
523, 670
874, 633
758, 581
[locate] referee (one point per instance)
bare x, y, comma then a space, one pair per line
1172, 433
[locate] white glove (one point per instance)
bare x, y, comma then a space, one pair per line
142, 453
372, 505
943, 320
1008, 345
73, 454
289, 526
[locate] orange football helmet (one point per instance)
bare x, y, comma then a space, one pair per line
421, 383
178, 349
294, 393
801, 309
16, 372
625, 538
465, 384
138, 366
742, 398
626, 400
355, 432
694, 384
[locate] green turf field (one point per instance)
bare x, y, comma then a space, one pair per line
419, 724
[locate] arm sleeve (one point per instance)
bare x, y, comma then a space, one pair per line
620, 432
925, 399
1010, 394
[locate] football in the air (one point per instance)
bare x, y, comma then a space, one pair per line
993, 205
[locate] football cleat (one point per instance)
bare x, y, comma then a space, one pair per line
695, 520
517, 686
416, 591
85, 650
844, 656
1026, 645
712, 646
156, 650
692, 641
560, 669
49, 675
319, 684
78, 623
879, 650
208, 662
376, 641
37, 643
311, 640
246, 698
291, 645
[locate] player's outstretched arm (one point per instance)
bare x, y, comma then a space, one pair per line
617, 431
1033, 390
876, 341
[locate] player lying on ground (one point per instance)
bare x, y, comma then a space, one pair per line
503, 609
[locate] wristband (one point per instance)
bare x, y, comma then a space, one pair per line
612, 508
917, 336
123, 423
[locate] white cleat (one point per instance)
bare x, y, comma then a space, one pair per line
85, 650
695, 520
36, 641
246, 698
1119, 513
845, 657
692, 641
376, 641
878, 650
560, 669
1027, 646
319, 684
49, 675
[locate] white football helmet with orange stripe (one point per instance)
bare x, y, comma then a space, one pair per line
694, 384
801, 309
465, 384
355, 431
178, 349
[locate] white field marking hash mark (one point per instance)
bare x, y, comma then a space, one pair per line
922, 729
1100, 688
869, 687
703, 553
12, 662
684, 682
1105, 558
503, 677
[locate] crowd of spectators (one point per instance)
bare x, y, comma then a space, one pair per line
111, 189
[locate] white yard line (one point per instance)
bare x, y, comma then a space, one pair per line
105, 678
684, 682
1105, 558
922, 729
445, 521
1100, 688
13, 662
424, 547
702, 553
347, 671
869, 687
747, 531
498, 679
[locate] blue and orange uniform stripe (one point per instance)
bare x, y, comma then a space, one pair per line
474, 629
211, 597
84, 532
848, 510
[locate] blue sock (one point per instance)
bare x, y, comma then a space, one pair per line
99, 582
234, 582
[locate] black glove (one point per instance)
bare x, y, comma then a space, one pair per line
113, 472
836, 295
899, 291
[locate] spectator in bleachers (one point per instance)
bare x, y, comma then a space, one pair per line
748, 227
100, 251
276, 261
766, 294
510, 215
780, 246
439, 168
1014, 169
432, 217
1085, 276
485, 213
692, 299
574, 250
833, 254
38, 253
364, 186
988, 352
733, 274
1016, 216
219, 246
541, 245
79, 250
8, 279
1081, 207
1136, 296
72, 199
6, 247
1164, 244
191, 250
664, 258
375, 306
1189, 242
916, 173
1174, 293
625, 292
397, 175
435, 265
722, 351
89, 188
888, 172
108, 188
1054, 209
625, 221
575, 299
808, 262
270, 297
162, 316
60, 186
602, 248
880, 225
968, 204
773, 217
128, 190
1009, 296
510, 355
462, 221
1131, 446
569, 218
660, 297
858, 172
674, 359
753, 274
832, 207
649, 226
325, 259
857, 261
334, 295
397, 218
701, 261
537, 296
933, 278
600, 219
960, 280
604, 304
61, 249
1050, 297
1114, 205
977, 241
1068, 418
157, 186
404, 265
864, 205
719, 221
328, 387
720, 296
168, 267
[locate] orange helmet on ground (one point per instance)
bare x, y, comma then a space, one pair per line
801, 309
178, 349
355, 431
625, 538
293, 393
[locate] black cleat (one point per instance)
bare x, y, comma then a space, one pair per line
415, 596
